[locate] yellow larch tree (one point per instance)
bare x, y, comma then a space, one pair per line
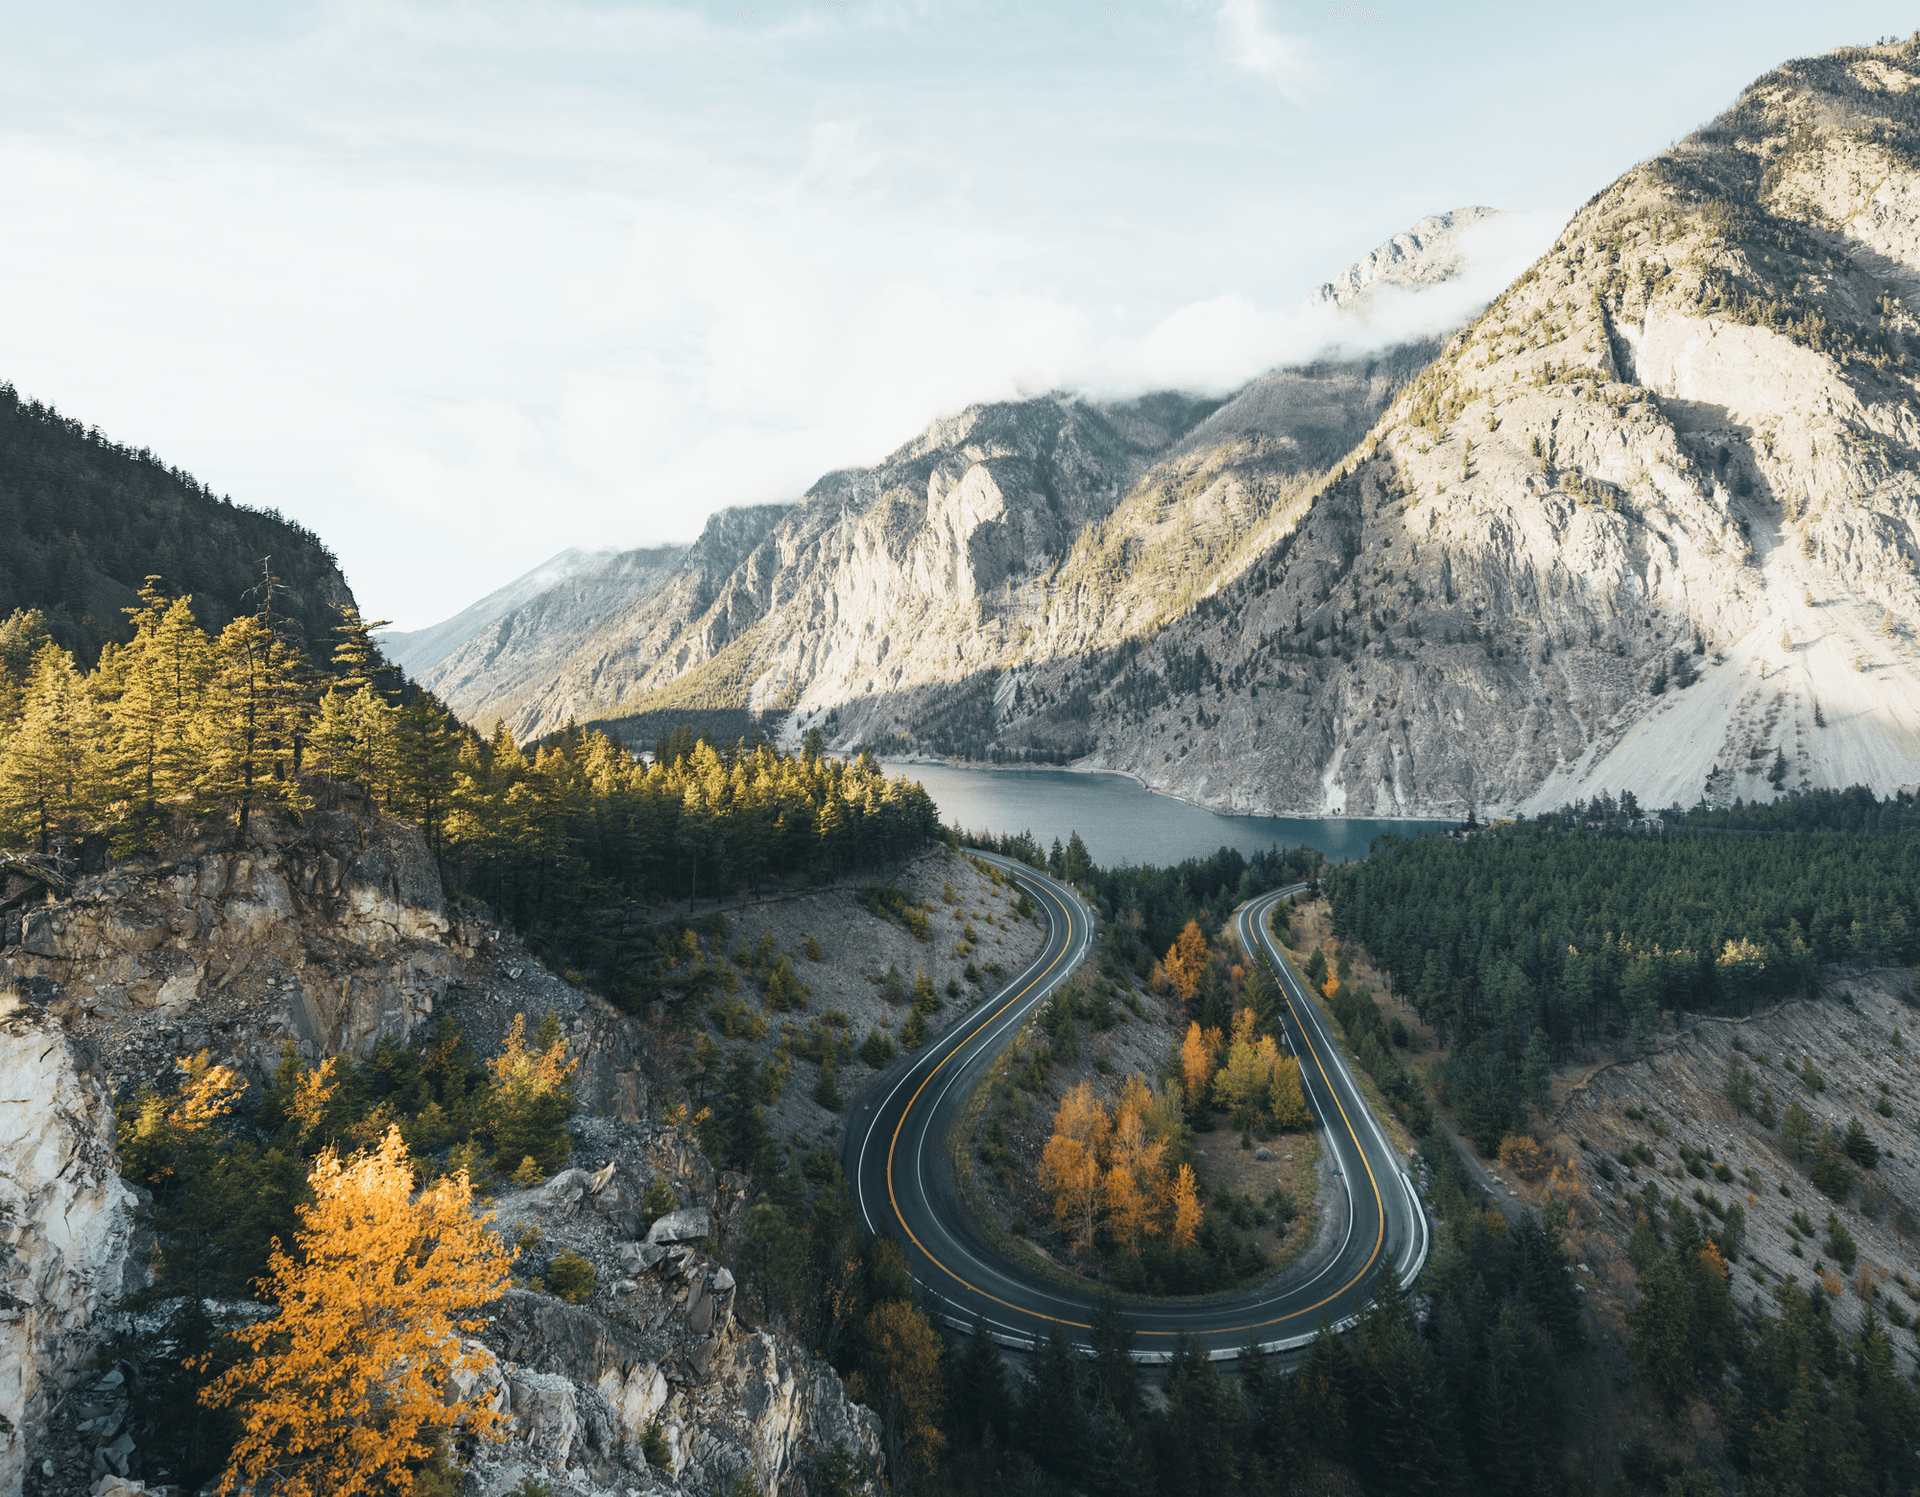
1286, 1097
1070, 1163
1186, 961
1196, 1061
1186, 1208
349, 1386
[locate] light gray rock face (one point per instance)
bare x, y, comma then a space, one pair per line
414, 651
330, 935
657, 1341
1685, 438
516, 655
66, 1220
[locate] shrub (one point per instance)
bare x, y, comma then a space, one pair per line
826, 1091
658, 1200
1841, 1244
571, 1278
876, 1049
653, 1445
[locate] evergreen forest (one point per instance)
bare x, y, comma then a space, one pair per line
574, 841
86, 520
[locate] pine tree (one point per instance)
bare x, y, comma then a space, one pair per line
55, 772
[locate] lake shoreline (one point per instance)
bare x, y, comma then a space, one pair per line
1124, 821
1082, 768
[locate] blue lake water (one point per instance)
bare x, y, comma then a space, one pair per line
1121, 822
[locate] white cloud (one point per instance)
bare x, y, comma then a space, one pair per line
1254, 45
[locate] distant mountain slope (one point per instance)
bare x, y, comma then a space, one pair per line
413, 650
85, 522
1685, 439
1054, 518
961, 518
1424, 255
520, 653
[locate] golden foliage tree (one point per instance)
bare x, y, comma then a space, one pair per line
902, 1378
1257, 1081
1186, 1208
1070, 1163
1186, 961
1197, 1052
348, 1388
531, 1098
54, 765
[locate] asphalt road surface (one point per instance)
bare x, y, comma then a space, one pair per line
896, 1157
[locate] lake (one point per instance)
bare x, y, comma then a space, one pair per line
1122, 822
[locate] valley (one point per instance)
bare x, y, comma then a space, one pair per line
1352, 932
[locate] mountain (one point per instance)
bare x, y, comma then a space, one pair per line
1424, 255
926, 574
87, 520
521, 652
413, 650
1682, 445
1684, 441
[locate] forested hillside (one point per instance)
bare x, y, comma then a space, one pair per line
87, 520
1529, 942
573, 841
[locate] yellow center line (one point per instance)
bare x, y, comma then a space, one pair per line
894, 1144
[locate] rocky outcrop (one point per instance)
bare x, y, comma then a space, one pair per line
657, 1343
330, 934
66, 1220
333, 934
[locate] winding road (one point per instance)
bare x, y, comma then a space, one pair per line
896, 1156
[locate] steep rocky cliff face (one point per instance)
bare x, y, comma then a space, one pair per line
1683, 441
331, 935
66, 1220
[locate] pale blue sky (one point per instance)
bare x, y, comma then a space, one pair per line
458, 285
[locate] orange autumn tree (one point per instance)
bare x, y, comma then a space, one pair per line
1186, 961
1197, 1052
349, 1386
1070, 1163
1110, 1172
1136, 1180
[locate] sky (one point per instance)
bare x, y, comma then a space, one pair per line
460, 285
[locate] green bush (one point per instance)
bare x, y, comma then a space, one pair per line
571, 1278
653, 1445
876, 1049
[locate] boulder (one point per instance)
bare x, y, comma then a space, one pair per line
681, 1226
545, 1415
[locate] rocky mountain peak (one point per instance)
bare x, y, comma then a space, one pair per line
1423, 255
